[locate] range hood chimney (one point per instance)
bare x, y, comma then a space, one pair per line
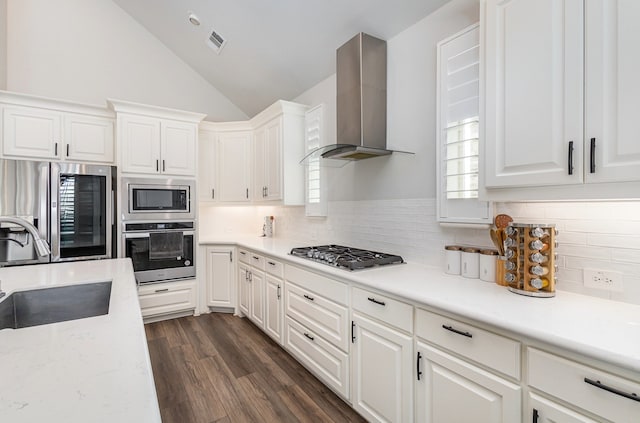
361, 101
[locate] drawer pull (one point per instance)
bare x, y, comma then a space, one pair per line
308, 297
535, 416
244, 253
162, 290
308, 336
632, 396
418, 371
373, 300
256, 258
459, 332
271, 263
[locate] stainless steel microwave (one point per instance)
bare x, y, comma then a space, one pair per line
157, 199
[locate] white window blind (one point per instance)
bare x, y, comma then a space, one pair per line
459, 130
315, 190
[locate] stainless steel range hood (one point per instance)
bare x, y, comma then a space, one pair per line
361, 101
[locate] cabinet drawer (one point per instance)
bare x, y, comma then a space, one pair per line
257, 261
569, 381
244, 255
383, 308
274, 267
160, 299
323, 359
326, 318
494, 351
329, 288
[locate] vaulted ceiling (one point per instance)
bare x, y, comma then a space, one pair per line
274, 49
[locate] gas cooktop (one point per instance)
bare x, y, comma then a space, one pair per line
345, 257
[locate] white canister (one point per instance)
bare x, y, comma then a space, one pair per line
488, 265
452, 259
470, 262
267, 228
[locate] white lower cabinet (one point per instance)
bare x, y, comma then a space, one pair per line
598, 392
220, 277
328, 363
542, 410
452, 390
256, 282
381, 357
168, 299
273, 310
244, 289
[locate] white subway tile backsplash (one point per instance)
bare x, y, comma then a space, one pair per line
595, 235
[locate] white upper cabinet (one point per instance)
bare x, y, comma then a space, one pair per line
533, 130
155, 140
561, 90
279, 145
38, 128
612, 66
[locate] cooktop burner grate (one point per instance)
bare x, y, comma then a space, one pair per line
346, 257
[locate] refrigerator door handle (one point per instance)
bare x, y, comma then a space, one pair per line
54, 240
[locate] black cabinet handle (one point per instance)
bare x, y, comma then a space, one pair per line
244, 253
592, 156
163, 167
418, 365
271, 263
308, 336
308, 297
256, 258
250, 276
162, 290
231, 256
459, 332
55, 149
67, 150
247, 192
632, 396
570, 158
535, 416
213, 194
157, 165
373, 300
278, 291
353, 332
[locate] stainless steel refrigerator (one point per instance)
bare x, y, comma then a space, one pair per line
70, 204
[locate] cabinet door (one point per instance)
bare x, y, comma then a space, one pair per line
273, 160
452, 390
533, 134
273, 307
234, 166
207, 166
88, 138
256, 279
541, 410
381, 359
244, 288
178, 148
31, 132
612, 151
140, 144
220, 278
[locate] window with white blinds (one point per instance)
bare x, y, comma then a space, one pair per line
459, 129
315, 190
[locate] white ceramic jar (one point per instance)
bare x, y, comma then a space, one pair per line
470, 262
452, 259
488, 265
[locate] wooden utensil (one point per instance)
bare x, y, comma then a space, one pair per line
495, 237
502, 221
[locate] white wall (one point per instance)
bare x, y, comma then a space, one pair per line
90, 50
3, 44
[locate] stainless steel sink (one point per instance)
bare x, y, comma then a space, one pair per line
37, 307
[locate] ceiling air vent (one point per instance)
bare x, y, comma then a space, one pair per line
216, 42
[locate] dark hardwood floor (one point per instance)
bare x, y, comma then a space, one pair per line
221, 368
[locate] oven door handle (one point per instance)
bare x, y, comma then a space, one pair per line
146, 234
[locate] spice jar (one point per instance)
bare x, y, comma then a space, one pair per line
470, 262
452, 259
488, 265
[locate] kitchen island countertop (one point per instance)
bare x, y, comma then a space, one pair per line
88, 370
602, 329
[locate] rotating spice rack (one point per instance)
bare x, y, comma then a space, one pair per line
530, 259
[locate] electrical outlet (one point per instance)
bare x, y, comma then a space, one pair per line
603, 279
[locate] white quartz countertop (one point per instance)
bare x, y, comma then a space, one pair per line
88, 370
602, 329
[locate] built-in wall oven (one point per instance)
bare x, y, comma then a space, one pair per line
160, 251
